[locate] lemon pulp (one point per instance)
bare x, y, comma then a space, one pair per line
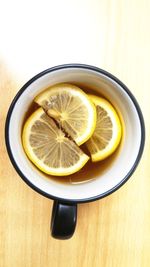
48, 148
71, 108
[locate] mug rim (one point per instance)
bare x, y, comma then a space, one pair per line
107, 74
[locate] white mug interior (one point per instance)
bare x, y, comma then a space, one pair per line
128, 152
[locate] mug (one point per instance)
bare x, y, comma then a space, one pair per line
66, 197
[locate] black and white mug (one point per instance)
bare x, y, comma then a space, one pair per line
66, 197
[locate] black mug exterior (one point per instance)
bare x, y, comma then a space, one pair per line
64, 215
63, 220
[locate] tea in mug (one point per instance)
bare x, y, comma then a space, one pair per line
71, 135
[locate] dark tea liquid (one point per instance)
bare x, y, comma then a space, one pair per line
91, 170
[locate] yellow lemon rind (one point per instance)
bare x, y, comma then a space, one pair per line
117, 129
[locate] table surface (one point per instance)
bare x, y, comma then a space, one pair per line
113, 35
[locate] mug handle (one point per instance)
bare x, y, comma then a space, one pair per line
63, 220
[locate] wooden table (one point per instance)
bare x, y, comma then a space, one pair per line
114, 35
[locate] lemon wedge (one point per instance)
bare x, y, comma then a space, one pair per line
71, 108
107, 134
48, 148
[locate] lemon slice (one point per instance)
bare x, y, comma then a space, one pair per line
71, 108
48, 148
107, 134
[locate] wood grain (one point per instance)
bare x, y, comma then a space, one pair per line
114, 35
